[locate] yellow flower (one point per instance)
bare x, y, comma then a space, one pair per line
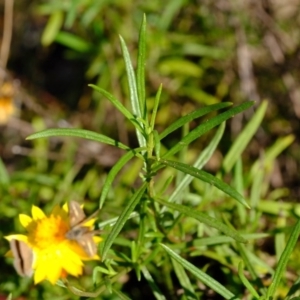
55, 256
7, 109
7, 102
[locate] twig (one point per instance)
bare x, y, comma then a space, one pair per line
7, 32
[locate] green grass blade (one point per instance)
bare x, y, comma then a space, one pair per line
4, 177
246, 282
123, 218
80, 133
206, 177
247, 261
119, 106
283, 261
140, 80
193, 115
155, 107
53, 26
203, 277
239, 186
184, 280
156, 144
206, 126
294, 288
221, 239
270, 155
201, 161
134, 99
203, 218
244, 137
114, 171
155, 289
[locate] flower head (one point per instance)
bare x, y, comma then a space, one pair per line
55, 255
7, 104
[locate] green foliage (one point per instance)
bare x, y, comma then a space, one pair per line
157, 233
182, 232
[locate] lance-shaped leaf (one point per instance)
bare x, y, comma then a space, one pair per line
125, 215
203, 218
244, 137
119, 106
80, 133
140, 79
115, 170
206, 177
283, 261
152, 284
206, 126
203, 277
134, 99
192, 116
201, 161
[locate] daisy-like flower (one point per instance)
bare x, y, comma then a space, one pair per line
54, 255
7, 103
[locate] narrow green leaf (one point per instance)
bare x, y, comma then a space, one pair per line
294, 288
155, 107
114, 171
184, 280
119, 106
155, 289
9, 297
244, 137
156, 144
4, 177
193, 115
73, 42
123, 218
283, 261
221, 239
134, 99
247, 261
271, 154
239, 185
201, 161
203, 277
52, 28
206, 126
246, 282
141, 68
206, 177
80, 133
203, 218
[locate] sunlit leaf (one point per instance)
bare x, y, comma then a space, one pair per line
206, 177
200, 275
203, 218
125, 215
80, 133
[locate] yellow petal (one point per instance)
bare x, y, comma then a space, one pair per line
39, 275
89, 223
25, 220
65, 207
97, 239
37, 213
54, 271
72, 264
19, 237
47, 267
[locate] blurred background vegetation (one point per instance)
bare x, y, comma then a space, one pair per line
203, 52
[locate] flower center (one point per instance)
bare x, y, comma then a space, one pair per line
48, 231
